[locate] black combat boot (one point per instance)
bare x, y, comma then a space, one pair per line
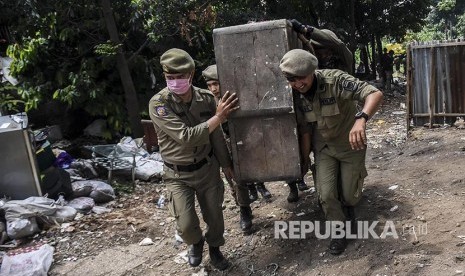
195, 253
293, 192
217, 259
350, 210
302, 186
350, 215
252, 192
263, 190
246, 219
337, 246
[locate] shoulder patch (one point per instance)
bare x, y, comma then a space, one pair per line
161, 111
348, 85
157, 103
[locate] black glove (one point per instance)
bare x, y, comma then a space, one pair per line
306, 30
297, 26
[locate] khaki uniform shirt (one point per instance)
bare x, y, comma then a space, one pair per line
182, 129
337, 46
333, 106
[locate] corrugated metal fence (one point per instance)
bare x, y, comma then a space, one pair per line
436, 82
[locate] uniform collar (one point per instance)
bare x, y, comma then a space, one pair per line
320, 87
311, 92
197, 97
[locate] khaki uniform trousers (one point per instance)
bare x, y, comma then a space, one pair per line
240, 190
242, 194
340, 173
205, 184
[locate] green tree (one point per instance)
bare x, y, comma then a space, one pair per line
62, 51
445, 21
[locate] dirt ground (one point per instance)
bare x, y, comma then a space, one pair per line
417, 183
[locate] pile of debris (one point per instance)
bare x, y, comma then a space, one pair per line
71, 188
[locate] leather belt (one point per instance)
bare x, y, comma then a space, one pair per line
191, 167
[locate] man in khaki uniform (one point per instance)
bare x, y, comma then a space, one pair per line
327, 98
330, 51
187, 120
240, 190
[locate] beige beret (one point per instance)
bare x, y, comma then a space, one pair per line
210, 73
299, 63
177, 61
327, 35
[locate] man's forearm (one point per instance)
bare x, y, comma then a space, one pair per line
372, 103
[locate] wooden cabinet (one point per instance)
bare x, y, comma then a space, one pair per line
264, 141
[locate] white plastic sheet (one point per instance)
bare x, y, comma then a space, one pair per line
34, 263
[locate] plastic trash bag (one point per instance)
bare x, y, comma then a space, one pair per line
147, 168
63, 160
102, 194
82, 204
22, 215
65, 214
36, 262
30, 207
20, 228
129, 145
84, 168
100, 191
82, 188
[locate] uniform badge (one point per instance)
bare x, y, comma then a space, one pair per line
328, 101
161, 111
348, 85
306, 108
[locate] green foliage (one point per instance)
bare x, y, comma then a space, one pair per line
107, 49
461, 26
62, 53
446, 5
445, 21
8, 101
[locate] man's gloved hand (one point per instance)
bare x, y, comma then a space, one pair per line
297, 26
306, 30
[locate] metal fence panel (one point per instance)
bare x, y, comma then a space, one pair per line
437, 82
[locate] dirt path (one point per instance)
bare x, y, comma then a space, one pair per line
417, 184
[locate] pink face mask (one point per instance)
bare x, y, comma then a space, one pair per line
179, 86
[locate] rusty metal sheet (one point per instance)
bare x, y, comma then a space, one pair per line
449, 81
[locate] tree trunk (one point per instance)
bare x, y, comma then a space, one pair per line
352, 42
132, 104
365, 59
379, 47
373, 57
